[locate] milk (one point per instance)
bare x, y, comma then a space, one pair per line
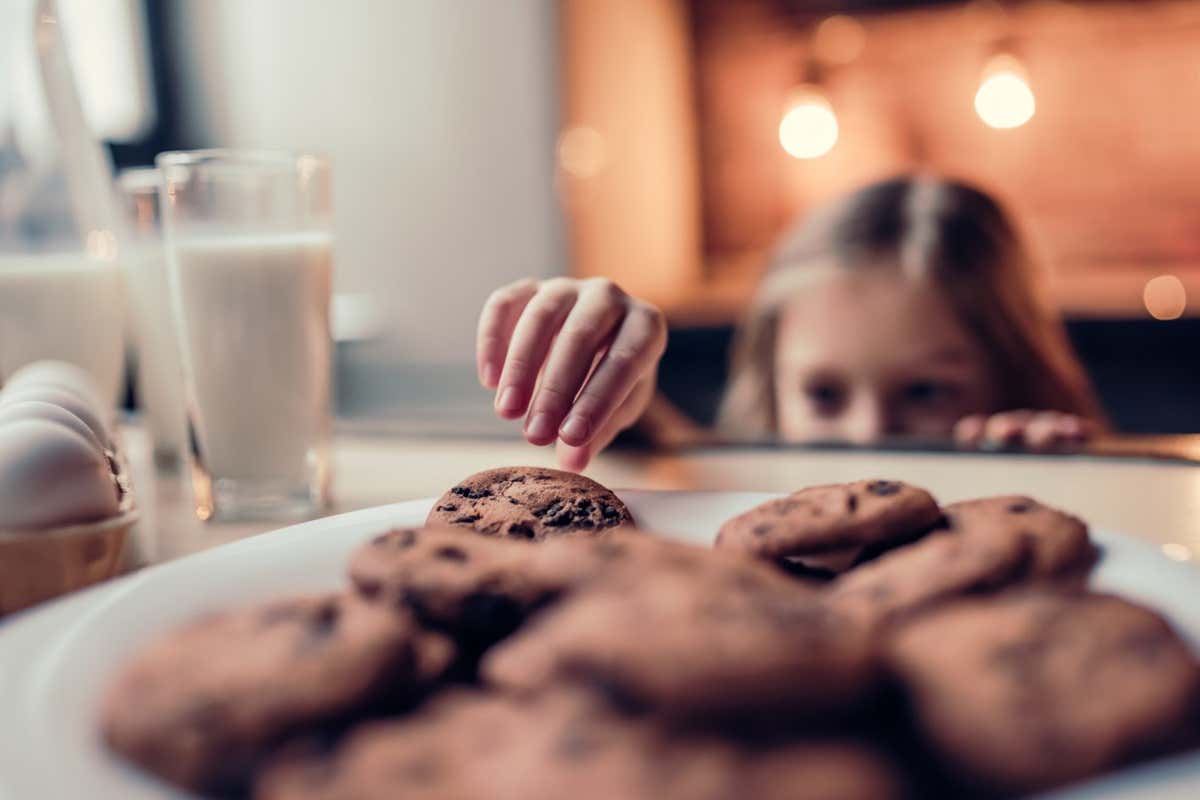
66, 306
254, 327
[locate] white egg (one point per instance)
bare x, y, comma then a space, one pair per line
51, 476
61, 375
88, 413
40, 409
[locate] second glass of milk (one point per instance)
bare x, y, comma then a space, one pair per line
249, 248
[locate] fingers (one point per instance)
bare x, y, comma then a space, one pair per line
600, 306
1006, 428
1031, 430
575, 458
496, 323
633, 355
969, 430
1054, 430
531, 339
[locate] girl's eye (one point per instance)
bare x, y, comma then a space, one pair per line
825, 398
928, 392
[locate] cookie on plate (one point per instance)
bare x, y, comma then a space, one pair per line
841, 519
1035, 688
453, 579
529, 503
1060, 541
563, 744
914, 577
742, 642
200, 705
483, 586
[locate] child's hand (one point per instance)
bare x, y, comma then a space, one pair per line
1033, 430
579, 356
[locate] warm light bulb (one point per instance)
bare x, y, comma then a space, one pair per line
1004, 99
809, 128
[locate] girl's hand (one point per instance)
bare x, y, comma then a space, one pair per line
577, 357
1032, 430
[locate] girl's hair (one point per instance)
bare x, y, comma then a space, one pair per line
955, 235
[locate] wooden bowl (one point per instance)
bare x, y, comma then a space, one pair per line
37, 565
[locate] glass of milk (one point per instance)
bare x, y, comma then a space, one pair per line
159, 375
249, 249
67, 305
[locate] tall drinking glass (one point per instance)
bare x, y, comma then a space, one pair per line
250, 254
159, 382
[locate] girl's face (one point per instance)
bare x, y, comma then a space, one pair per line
872, 353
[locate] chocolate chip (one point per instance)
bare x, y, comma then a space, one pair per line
401, 539
492, 614
370, 589
450, 553
324, 622
466, 519
761, 530
447, 507
852, 503
883, 488
1020, 507
520, 531
471, 494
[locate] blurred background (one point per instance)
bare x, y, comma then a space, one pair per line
666, 143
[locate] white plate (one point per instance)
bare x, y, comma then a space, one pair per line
54, 661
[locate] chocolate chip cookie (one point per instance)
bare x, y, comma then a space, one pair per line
199, 706
1030, 689
940, 566
1060, 541
841, 518
694, 643
561, 744
483, 587
529, 503
453, 579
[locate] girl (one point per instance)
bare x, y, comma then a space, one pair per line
905, 309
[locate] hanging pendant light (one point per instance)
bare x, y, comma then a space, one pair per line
809, 128
1004, 99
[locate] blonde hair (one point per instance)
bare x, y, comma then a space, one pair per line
950, 232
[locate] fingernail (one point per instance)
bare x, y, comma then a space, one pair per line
575, 430
540, 428
490, 375
509, 401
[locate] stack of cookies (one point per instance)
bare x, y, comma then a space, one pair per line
850, 641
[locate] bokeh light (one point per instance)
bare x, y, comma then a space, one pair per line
1004, 99
581, 151
1165, 297
839, 39
809, 128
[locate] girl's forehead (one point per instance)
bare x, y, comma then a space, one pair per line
871, 314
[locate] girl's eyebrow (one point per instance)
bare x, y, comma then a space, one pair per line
954, 355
